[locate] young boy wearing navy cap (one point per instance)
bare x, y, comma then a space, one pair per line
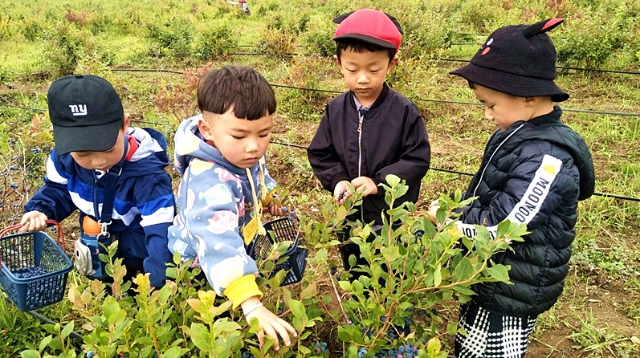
370, 130
534, 171
92, 137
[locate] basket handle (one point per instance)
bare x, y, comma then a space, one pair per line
52, 222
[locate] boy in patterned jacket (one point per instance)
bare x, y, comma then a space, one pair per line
92, 135
225, 185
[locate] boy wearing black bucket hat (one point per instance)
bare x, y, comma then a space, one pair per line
534, 171
369, 131
100, 162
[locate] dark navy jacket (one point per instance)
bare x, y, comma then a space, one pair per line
532, 173
143, 207
392, 140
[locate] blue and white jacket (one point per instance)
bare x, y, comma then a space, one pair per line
143, 207
215, 204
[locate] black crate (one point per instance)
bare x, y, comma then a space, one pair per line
279, 230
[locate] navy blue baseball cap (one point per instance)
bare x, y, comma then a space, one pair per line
86, 112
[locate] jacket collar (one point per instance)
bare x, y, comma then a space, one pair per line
377, 103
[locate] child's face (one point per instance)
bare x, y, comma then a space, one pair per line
101, 160
502, 109
241, 142
365, 73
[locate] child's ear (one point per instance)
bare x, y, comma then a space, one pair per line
531, 101
204, 128
127, 121
335, 57
392, 63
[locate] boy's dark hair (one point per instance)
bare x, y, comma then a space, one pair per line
360, 46
239, 87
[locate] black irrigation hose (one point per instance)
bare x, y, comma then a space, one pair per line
624, 114
605, 195
146, 70
558, 67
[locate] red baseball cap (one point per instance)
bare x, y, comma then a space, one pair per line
371, 26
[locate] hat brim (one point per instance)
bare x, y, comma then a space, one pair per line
366, 38
99, 138
515, 85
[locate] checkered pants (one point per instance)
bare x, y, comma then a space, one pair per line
491, 335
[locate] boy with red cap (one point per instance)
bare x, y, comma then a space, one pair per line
370, 130
534, 171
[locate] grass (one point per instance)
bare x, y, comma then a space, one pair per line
606, 246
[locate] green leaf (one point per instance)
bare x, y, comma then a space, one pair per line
392, 180
345, 285
464, 270
44, 343
30, 354
297, 308
200, 337
499, 272
309, 292
390, 253
434, 346
174, 352
67, 330
452, 328
348, 333
110, 306
224, 325
464, 290
437, 276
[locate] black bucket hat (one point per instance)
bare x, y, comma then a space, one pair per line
519, 60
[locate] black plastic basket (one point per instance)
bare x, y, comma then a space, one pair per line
33, 268
279, 230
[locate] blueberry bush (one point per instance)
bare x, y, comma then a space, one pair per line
390, 312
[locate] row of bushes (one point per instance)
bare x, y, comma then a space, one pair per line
202, 31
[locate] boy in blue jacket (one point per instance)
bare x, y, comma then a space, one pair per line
92, 135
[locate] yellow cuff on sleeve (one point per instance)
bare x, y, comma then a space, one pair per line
241, 289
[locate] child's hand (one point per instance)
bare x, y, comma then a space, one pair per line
365, 185
33, 221
276, 208
433, 209
340, 192
271, 325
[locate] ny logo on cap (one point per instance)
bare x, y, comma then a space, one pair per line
78, 109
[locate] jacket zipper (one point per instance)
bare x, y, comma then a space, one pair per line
361, 119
